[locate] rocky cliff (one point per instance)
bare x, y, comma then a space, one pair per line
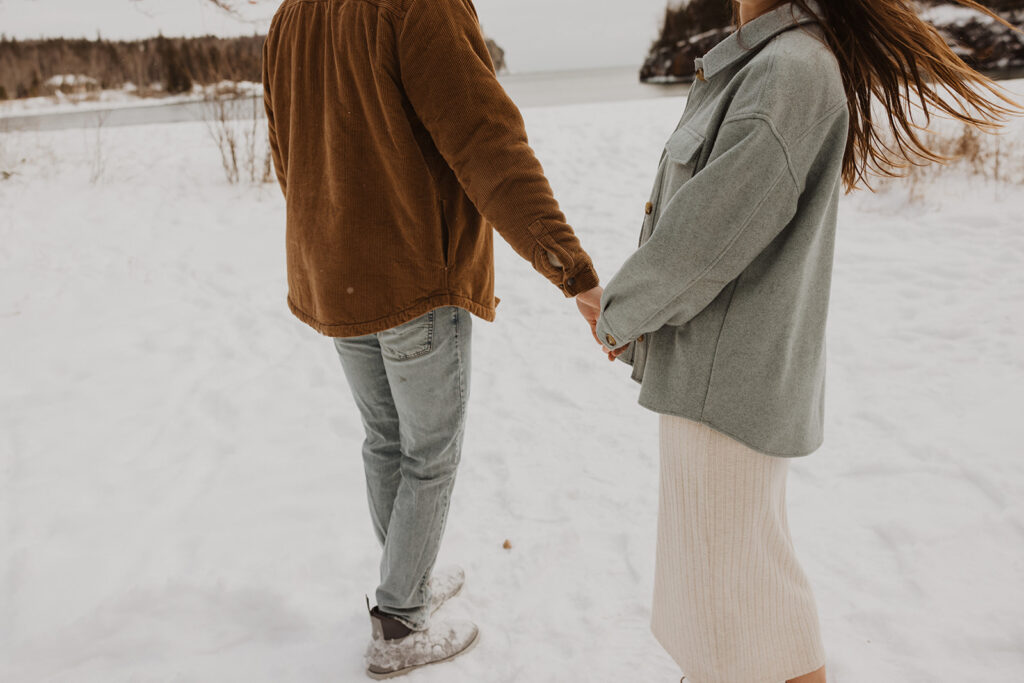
497, 55
978, 39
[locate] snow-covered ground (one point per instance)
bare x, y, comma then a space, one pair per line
181, 493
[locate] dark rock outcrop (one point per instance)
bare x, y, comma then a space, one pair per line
674, 63
982, 42
497, 55
979, 40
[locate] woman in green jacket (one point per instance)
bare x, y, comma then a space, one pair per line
722, 309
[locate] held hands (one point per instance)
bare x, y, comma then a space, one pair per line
589, 303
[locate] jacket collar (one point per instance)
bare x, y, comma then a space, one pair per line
753, 36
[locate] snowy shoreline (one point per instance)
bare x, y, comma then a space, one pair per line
116, 108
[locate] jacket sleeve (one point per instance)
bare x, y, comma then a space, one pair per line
275, 144
448, 76
710, 230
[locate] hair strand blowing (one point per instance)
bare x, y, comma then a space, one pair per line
889, 54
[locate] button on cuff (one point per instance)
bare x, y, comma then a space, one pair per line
607, 336
581, 281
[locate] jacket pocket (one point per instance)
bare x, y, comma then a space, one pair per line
682, 154
410, 340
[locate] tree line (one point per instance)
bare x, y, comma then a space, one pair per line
171, 65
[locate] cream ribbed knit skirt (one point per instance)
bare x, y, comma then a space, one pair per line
731, 603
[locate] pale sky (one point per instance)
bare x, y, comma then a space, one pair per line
538, 35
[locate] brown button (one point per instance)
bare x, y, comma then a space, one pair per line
700, 75
640, 339
649, 209
611, 341
571, 282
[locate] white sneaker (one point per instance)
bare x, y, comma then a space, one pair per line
441, 642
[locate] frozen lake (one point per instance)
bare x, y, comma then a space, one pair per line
552, 88
539, 89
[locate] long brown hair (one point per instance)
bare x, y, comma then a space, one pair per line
887, 53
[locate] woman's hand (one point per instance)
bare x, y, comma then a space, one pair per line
589, 303
613, 354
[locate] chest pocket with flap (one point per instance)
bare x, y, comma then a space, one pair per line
681, 155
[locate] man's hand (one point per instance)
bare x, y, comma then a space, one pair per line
589, 303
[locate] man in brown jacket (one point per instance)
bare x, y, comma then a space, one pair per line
397, 150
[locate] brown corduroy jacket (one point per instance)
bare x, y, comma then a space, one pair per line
397, 149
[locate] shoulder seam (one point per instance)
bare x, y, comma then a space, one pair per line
393, 7
829, 113
775, 132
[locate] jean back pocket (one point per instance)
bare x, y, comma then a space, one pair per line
409, 340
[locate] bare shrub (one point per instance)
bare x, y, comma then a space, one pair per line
238, 128
8, 159
252, 134
98, 155
222, 129
269, 175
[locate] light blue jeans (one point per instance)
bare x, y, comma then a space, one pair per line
411, 384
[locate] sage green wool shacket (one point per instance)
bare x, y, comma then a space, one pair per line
725, 302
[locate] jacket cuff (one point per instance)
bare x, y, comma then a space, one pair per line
582, 281
607, 336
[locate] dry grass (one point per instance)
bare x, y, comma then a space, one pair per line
996, 158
